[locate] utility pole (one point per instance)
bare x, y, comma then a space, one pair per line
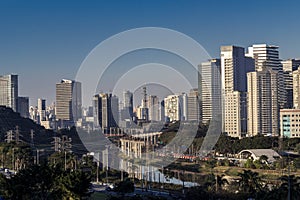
37, 157
17, 135
31, 138
65, 160
13, 158
107, 165
289, 174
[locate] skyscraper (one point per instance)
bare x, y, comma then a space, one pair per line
9, 91
110, 112
193, 106
268, 56
97, 110
265, 55
68, 100
127, 109
263, 107
234, 66
209, 89
42, 109
153, 107
106, 111
23, 106
288, 67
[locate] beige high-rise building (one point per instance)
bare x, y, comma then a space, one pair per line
68, 100
296, 88
234, 66
268, 56
263, 107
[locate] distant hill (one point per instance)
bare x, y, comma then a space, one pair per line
43, 138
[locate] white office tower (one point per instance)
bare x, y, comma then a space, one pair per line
234, 66
263, 108
193, 106
268, 56
209, 89
9, 91
288, 67
42, 109
265, 55
173, 107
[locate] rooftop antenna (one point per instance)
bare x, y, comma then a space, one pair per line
145, 97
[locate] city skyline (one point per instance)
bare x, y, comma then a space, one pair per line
52, 40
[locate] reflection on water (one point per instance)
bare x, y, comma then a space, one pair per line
152, 174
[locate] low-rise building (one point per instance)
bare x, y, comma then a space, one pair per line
290, 123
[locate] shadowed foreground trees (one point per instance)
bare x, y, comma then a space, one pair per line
250, 185
44, 182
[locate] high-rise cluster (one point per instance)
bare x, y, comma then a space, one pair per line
256, 88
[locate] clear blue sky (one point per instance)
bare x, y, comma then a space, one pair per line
44, 41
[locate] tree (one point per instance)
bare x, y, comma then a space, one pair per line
292, 182
72, 184
125, 186
45, 182
4, 192
250, 182
220, 182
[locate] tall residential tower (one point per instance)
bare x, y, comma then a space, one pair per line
234, 66
9, 91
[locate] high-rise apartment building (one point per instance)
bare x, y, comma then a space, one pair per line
263, 107
209, 89
296, 88
9, 91
268, 56
68, 100
234, 66
173, 107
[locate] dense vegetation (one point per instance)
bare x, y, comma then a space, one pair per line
45, 182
